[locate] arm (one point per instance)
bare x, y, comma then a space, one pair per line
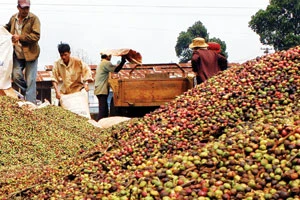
55, 78
57, 92
195, 62
119, 67
87, 75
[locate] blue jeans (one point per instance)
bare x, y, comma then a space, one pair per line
26, 83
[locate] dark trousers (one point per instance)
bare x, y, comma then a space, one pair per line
103, 106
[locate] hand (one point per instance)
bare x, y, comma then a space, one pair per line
58, 95
86, 87
15, 38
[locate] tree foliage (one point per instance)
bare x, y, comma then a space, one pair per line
279, 24
186, 37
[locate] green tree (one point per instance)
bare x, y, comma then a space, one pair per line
279, 24
185, 38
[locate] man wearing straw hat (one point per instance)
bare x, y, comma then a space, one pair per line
205, 63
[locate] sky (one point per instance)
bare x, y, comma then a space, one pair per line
149, 27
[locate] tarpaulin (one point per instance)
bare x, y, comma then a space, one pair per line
131, 55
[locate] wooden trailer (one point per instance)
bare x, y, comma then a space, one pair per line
148, 85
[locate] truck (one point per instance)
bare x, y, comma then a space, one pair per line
144, 87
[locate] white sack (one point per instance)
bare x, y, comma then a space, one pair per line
6, 58
94, 123
31, 106
77, 103
110, 121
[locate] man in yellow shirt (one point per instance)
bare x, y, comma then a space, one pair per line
72, 71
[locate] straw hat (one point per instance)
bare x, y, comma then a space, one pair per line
198, 42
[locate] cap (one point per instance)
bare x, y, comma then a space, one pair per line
24, 3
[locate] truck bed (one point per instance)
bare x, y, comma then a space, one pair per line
146, 86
